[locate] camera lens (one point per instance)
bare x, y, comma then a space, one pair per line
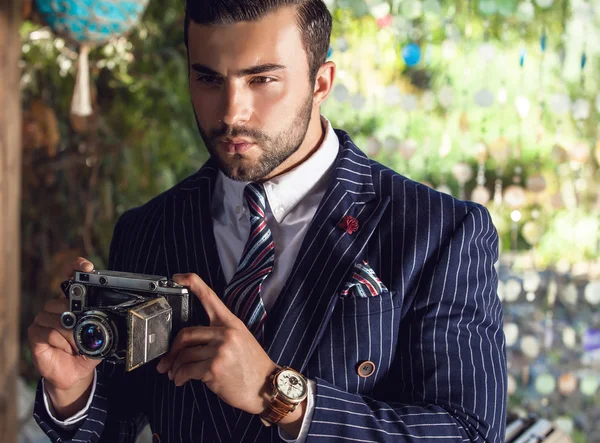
92, 337
96, 334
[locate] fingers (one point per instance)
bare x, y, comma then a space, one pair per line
52, 321
81, 264
190, 355
194, 371
57, 306
189, 337
39, 335
218, 313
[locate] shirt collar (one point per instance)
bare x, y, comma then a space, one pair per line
285, 191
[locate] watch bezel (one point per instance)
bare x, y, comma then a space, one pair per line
277, 392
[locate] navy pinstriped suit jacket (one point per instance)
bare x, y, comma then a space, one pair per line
436, 338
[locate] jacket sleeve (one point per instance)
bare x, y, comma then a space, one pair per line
451, 356
114, 414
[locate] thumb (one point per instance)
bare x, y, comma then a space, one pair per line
218, 313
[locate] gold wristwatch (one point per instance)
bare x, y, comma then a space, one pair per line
290, 388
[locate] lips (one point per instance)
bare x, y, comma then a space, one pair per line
236, 148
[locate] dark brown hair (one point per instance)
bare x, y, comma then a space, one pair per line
313, 17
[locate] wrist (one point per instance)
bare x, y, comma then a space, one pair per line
67, 402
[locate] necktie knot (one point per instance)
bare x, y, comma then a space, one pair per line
256, 198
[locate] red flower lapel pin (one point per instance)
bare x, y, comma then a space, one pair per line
349, 224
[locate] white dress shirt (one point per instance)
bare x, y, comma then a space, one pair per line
292, 201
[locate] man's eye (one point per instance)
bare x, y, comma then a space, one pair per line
262, 80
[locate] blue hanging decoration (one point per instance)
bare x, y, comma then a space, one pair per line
89, 23
411, 53
543, 42
329, 52
583, 59
522, 57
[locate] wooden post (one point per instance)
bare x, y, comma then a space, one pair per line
10, 195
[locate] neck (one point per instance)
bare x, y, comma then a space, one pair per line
313, 140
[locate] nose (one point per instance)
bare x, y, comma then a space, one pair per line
237, 107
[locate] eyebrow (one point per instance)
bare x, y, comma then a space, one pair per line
253, 70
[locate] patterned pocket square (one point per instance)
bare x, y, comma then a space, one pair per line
363, 283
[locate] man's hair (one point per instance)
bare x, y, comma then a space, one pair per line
312, 16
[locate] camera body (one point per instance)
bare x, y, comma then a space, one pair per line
124, 317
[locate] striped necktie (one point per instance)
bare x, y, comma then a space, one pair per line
242, 294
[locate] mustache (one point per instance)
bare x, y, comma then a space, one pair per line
231, 131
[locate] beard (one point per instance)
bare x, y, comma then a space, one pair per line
274, 149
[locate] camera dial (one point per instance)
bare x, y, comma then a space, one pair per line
68, 320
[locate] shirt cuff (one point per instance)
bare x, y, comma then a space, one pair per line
310, 408
71, 422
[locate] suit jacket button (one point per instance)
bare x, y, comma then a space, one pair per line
365, 369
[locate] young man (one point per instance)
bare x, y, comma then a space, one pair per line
377, 292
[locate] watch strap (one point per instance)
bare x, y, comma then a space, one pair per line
276, 411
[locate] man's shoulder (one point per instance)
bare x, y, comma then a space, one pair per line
406, 194
156, 205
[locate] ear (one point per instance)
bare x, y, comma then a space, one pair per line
324, 82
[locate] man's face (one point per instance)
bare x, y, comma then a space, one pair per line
251, 94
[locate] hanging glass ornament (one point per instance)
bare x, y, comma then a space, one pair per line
342, 44
341, 93
512, 290
407, 149
428, 101
598, 103
545, 384
487, 52
462, 172
446, 145
391, 143
511, 333
560, 103
411, 10
532, 232
589, 384
481, 195
329, 52
484, 98
536, 183
597, 151
500, 150
581, 109
409, 102
392, 95
448, 49
530, 346
446, 96
569, 337
358, 102
525, 11
522, 105
515, 197
89, 23
444, 189
506, 8
411, 53
372, 146
567, 384
544, 3
487, 7
592, 292
432, 7
511, 385
579, 152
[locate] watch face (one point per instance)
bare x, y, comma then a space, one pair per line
291, 385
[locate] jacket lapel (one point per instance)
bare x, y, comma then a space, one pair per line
190, 246
303, 309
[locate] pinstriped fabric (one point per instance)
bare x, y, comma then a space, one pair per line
242, 294
435, 337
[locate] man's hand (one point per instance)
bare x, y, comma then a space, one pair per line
224, 355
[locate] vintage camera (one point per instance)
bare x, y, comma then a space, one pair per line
124, 317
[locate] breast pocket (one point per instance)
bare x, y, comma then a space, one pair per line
361, 330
